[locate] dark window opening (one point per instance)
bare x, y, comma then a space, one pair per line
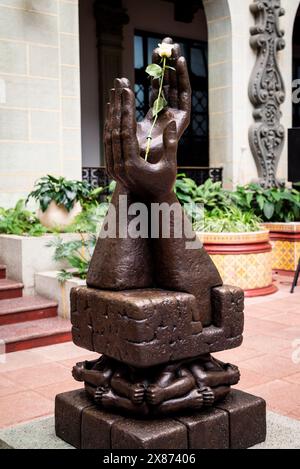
194, 146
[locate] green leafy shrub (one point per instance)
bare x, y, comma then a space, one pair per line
228, 220
78, 253
276, 204
210, 194
63, 192
212, 208
90, 219
19, 221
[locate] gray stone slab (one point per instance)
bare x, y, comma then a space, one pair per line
38, 434
283, 433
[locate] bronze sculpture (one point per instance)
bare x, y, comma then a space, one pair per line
154, 309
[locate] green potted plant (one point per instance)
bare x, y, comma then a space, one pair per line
279, 209
233, 237
19, 221
59, 200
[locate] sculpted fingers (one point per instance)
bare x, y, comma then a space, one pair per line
156, 59
130, 147
108, 143
173, 88
170, 143
184, 87
116, 129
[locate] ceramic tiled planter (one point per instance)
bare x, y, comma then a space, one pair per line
243, 260
285, 241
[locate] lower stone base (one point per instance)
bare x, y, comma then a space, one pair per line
238, 422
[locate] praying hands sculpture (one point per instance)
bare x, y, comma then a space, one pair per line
155, 309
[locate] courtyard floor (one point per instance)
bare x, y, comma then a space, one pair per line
269, 360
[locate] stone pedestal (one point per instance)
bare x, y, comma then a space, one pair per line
238, 422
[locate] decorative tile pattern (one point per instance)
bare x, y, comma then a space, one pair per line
285, 254
235, 238
283, 227
247, 271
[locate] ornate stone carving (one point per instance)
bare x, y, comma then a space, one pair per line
266, 90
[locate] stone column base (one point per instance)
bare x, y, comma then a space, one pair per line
238, 422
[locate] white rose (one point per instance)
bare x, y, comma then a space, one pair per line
165, 50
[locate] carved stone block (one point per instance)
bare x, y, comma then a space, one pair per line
228, 308
144, 328
96, 428
138, 327
208, 429
238, 422
247, 419
68, 414
149, 434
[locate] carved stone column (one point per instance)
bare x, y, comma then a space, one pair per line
110, 19
266, 90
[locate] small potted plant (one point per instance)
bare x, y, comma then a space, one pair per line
279, 209
60, 200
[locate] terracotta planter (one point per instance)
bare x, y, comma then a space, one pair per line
285, 240
243, 260
57, 216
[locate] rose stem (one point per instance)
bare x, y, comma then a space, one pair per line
149, 138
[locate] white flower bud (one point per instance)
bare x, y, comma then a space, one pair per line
165, 50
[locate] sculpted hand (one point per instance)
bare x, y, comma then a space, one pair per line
177, 91
123, 153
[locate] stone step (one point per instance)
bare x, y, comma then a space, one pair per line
10, 289
25, 309
38, 333
2, 271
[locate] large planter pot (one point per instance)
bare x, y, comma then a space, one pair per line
57, 216
24, 256
285, 240
243, 260
48, 286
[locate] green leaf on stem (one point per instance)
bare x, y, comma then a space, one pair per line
158, 105
154, 70
269, 210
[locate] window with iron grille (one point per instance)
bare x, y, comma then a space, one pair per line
193, 147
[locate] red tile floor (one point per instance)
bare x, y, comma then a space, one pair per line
269, 360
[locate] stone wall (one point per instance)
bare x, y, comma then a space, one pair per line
39, 94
